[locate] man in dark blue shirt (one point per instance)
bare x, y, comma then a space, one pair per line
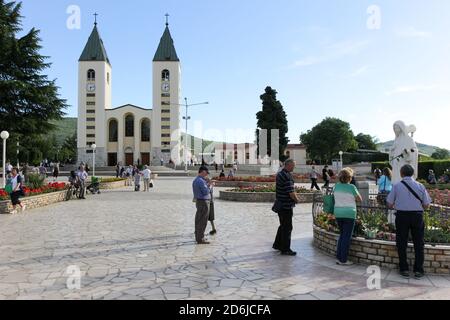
286, 198
202, 198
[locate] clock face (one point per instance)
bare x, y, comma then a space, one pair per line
165, 87
91, 87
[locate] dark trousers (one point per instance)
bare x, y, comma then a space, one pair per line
404, 222
314, 184
82, 189
346, 231
283, 238
327, 184
201, 219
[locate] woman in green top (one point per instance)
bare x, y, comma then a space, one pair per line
345, 197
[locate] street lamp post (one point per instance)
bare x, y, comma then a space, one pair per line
342, 162
187, 118
4, 135
94, 146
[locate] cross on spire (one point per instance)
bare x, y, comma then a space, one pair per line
167, 19
95, 15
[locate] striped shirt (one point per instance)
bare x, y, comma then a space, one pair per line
285, 186
344, 200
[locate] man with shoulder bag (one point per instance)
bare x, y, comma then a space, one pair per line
409, 198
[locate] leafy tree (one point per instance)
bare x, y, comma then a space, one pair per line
28, 100
69, 149
441, 154
366, 142
271, 117
326, 139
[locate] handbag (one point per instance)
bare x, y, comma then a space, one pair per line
328, 203
151, 184
8, 188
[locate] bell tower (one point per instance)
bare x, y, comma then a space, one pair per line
94, 97
166, 97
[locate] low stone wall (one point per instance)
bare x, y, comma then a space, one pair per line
112, 185
383, 253
35, 201
237, 184
259, 196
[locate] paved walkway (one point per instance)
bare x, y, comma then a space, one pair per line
131, 245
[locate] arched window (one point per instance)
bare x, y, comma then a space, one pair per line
145, 130
91, 75
129, 126
165, 75
113, 131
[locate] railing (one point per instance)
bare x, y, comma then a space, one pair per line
376, 203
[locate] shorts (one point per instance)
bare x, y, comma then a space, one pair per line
15, 197
211, 212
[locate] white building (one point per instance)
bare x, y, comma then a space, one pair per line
128, 134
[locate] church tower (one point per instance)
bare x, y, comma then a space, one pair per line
166, 97
94, 97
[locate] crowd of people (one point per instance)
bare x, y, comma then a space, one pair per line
408, 198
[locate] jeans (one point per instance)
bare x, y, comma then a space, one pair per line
346, 226
404, 222
283, 238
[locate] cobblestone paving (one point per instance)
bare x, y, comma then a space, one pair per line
136, 245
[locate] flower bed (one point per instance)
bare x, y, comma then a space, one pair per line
373, 224
262, 194
51, 187
440, 197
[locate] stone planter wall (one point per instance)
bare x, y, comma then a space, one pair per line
35, 201
384, 253
259, 196
112, 185
237, 184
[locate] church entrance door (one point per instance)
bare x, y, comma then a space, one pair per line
145, 158
112, 159
129, 161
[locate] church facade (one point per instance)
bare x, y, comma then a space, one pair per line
128, 134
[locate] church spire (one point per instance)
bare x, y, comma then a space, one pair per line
94, 49
166, 49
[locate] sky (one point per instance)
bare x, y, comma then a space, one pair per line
370, 63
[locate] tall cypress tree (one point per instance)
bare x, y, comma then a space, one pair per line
271, 117
28, 99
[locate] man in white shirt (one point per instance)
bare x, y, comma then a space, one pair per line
82, 175
147, 176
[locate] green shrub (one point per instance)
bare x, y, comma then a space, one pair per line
35, 181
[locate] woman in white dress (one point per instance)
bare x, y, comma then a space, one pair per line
404, 150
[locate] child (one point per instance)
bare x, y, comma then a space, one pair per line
211, 208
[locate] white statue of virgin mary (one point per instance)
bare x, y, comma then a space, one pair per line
404, 151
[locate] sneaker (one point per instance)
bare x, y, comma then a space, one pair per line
419, 275
14, 212
24, 207
288, 253
276, 248
404, 274
348, 263
213, 232
203, 242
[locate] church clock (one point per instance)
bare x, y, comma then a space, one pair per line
165, 87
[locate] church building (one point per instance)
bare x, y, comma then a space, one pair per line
128, 134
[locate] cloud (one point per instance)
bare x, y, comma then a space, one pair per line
359, 71
333, 51
411, 32
418, 88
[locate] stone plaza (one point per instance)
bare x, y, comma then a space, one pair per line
136, 245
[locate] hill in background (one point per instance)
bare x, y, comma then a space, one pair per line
423, 148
